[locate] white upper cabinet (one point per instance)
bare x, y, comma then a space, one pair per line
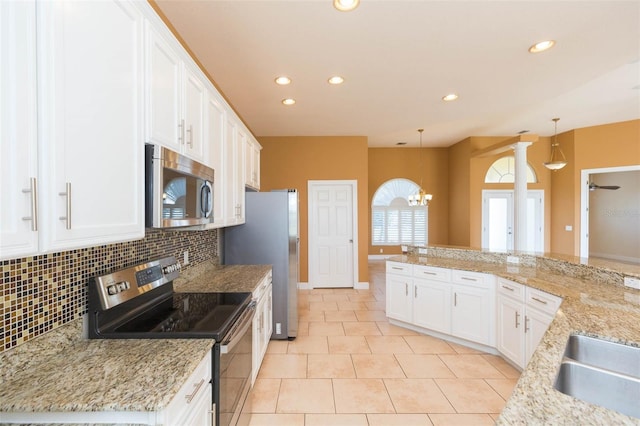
233, 154
162, 70
195, 96
252, 163
90, 118
18, 130
87, 188
214, 140
175, 96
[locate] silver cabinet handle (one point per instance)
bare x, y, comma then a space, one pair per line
429, 273
455, 299
469, 279
397, 269
67, 194
181, 134
415, 292
544, 302
33, 190
195, 391
406, 289
517, 318
507, 288
190, 131
526, 324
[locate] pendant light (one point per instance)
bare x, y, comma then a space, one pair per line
557, 160
421, 198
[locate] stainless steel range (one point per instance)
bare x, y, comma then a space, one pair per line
139, 303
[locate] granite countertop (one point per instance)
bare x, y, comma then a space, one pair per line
590, 306
61, 371
211, 277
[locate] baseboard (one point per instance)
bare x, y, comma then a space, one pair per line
381, 256
358, 286
362, 286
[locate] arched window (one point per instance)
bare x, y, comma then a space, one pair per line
393, 220
503, 171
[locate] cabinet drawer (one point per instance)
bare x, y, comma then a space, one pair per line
432, 273
542, 301
262, 287
398, 268
511, 289
472, 278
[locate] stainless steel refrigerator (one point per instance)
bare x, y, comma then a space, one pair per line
270, 235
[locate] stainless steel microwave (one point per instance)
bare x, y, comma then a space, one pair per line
178, 190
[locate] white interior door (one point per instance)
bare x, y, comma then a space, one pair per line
332, 235
498, 216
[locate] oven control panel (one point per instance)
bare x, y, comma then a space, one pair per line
121, 286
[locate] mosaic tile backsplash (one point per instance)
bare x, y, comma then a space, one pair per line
43, 292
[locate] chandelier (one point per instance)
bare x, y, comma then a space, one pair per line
421, 198
557, 160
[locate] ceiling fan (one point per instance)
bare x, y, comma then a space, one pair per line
593, 187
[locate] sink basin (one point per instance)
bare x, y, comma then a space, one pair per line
602, 373
612, 356
601, 387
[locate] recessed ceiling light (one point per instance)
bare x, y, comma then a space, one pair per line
283, 80
450, 97
542, 46
345, 5
336, 79
289, 101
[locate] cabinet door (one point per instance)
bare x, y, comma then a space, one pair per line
240, 144
432, 305
90, 123
229, 169
399, 298
163, 76
510, 339
18, 126
194, 115
536, 324
215, 133
471, 313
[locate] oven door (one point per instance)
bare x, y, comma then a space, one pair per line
232, 366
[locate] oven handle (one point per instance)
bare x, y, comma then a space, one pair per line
239, 329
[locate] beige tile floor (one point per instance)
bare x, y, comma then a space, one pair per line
349, 366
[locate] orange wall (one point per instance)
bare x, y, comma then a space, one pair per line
466, 183
392, 163
608, 145
459, 179
290, 162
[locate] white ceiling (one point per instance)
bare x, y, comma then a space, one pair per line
400, 57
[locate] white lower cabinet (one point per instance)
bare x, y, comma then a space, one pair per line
432, 302
192, 405
463, 305
473, 312
262, 323
524, 314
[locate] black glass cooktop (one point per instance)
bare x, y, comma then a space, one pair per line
182, 315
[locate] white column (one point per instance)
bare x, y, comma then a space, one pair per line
520, 195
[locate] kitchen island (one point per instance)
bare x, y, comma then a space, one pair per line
595, 303
61, 375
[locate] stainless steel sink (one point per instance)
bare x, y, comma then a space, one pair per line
601, 387
602, 373
612, 356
